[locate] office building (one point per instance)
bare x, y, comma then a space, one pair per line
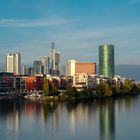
13, 63
106, 60
70, 67
57, 61
30, 71
6, 81
38, 68
24, 70
74, 67
46, 64
85, 67
52, 56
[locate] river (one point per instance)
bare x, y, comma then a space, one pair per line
110, 119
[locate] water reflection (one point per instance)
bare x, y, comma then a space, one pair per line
107, 119
96, 118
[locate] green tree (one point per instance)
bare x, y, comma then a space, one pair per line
103, 89
135, 88
71, 91
138, 85
100, 89
107, 90
53, 90
46, 87
127, 87
115, 89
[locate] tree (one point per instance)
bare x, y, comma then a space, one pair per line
100, 89
116, 90
107, 90
127, 86
46, 87
71, 91
135, 88
103, 89
53, 89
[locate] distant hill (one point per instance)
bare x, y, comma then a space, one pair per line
132, 71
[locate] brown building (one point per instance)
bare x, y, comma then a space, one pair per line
85, 67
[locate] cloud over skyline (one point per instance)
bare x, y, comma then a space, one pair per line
76, 27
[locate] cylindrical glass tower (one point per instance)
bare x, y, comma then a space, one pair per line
106, 60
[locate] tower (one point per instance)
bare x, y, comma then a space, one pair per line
52, 56
13, 63
17, 63
46, 64
106, 60
57, 62
70, 67
37, 67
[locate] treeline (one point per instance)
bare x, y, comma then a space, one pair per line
104, 89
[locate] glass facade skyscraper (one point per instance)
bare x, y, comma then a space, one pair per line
106, 60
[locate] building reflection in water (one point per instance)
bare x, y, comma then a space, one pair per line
82, 115
107, 120
10, 117
78, 116
53, 118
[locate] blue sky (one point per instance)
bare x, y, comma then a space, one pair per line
77, 27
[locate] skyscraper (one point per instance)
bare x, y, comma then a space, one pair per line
70, 67
57, 61
37, 66
13, 63
24, 70
46, 64
106, 60
52, 56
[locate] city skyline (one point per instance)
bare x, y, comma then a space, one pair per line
29, 27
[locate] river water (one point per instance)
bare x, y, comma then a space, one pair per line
110, 119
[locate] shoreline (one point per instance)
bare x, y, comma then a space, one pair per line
69, 99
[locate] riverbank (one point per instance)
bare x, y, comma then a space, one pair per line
10, 96
78, 97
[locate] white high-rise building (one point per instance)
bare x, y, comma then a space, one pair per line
70, 68
17, 63
13, 63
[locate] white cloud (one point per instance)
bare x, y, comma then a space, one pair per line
33, 23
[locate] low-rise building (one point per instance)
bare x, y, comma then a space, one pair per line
20, 83
6, 82
80, 81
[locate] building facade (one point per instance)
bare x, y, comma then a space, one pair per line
85, 67
52, 56
106, 60
46, 64
13, 63
80, 81
38, 68
70, 67
6, 82
57, 62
